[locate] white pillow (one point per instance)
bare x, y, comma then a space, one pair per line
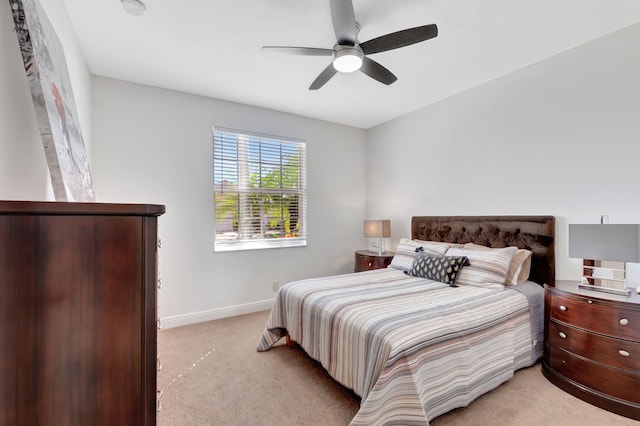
406, 251
522, 264
487, 268
519, 268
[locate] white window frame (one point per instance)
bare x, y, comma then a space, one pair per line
249, 144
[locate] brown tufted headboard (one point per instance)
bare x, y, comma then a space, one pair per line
535, 233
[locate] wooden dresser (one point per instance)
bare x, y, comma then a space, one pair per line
592, 346
367, 260
78, 313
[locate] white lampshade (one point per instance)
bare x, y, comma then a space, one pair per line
377, 228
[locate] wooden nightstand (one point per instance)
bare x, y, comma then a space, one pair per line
367, 260
592, 346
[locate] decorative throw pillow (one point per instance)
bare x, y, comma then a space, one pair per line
519, 268
406, 251
438, 268
487, 268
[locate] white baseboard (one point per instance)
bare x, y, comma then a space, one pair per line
202, 316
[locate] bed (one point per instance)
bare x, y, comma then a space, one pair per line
413, 347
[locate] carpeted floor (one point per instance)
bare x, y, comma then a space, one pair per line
212, 375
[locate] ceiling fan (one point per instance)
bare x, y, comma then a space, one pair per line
349, 54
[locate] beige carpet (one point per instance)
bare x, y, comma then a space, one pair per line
212, 375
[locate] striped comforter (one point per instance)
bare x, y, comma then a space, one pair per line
411, 348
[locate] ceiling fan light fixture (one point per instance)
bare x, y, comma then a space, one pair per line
347, 59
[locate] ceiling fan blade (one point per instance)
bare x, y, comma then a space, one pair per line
344, 21
399, 39
291, 50
324, 76
377, 71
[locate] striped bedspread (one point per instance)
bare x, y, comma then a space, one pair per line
411, 348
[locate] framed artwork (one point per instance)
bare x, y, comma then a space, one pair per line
52, 95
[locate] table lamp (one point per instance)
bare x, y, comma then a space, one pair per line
378, 229
598, 243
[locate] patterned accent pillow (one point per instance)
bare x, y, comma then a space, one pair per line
438, 268
519, 268
406, 251
487, 268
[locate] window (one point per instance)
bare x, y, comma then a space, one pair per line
260, 191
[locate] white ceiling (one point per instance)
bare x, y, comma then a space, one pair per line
213, 48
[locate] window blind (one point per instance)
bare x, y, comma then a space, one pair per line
260, 190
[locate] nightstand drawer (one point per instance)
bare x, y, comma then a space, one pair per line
366, 261
613, 352
596, 315
613, 382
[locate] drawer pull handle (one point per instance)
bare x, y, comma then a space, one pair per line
370, 263
561, 334
563, 308
623, 352
624, 321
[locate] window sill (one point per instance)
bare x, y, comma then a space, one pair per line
260, 244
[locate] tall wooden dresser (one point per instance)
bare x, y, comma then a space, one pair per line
592, 346
78, 313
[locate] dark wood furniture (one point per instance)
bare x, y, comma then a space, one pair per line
78, 313
592, 346
368, 260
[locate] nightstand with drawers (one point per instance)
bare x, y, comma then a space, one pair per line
367, 260
592, 346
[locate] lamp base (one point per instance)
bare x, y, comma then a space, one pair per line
611, 290
377, 247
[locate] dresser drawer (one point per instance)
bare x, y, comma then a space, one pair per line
596, 315
613, 352
613, 382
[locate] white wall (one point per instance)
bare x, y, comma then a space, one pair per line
155, 146
23, 168
560, 137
